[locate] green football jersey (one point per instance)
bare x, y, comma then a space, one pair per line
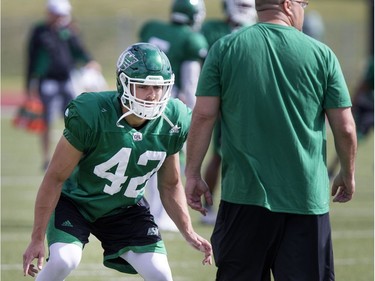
273, 116
117, 162
179, 42
215, 29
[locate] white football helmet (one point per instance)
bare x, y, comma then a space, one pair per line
241, 12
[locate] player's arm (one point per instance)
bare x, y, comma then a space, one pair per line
32, 78
205, 112
174, 201
64, 160
344, 132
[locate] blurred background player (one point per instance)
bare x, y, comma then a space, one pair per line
186, 49
53, 51
313, 25
238, 13
363, 98
363, 110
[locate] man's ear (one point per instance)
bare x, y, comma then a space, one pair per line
287, 5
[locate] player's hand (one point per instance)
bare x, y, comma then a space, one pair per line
34, 251
202, 245
194, 189
343, 188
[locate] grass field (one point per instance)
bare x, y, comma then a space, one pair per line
108, 26
353, 229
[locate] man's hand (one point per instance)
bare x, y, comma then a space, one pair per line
201, 245
342, 188
194, 189
34, 251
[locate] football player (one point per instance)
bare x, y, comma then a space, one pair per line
113, 142
180, 41
186, 49
238, 13
54, 50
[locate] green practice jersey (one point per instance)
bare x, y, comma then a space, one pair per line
213, 30
274, 83
117, 162
179, 42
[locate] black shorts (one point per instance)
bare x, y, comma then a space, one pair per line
250, 241
132, 230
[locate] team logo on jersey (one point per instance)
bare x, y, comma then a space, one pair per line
137, 136
153, 231
126, 59
175, 129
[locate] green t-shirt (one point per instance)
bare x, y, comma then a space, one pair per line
117, 162
274, 83
179, 42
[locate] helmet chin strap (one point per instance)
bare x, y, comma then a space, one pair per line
122, 117
174, 129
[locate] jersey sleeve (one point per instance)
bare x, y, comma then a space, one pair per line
184, 120
181, 116
337, 91
77, 131
209, 79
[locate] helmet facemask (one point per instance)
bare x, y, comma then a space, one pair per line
143, 64
142, 108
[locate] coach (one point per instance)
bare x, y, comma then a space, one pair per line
273, 87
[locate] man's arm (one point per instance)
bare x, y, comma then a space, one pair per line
173, 198
344, 132
204, 116
64, 160
31, 78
